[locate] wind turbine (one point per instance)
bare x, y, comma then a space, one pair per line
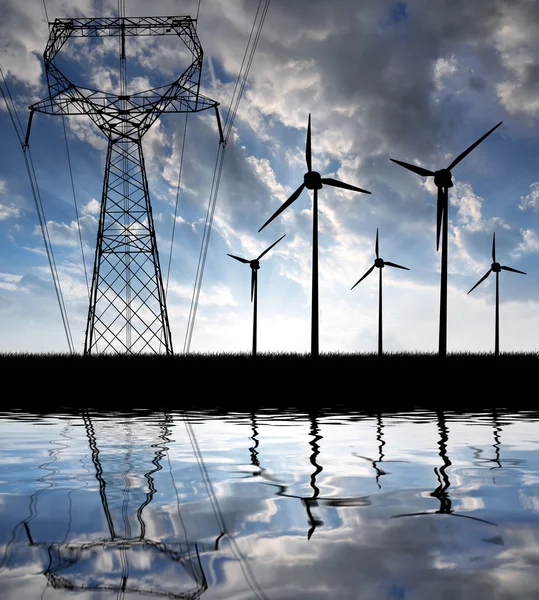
495, 267
380, 264
313, 181
443, 181
255, 265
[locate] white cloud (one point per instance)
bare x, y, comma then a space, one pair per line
217, 294
443, 69
92, 207
531, 200
529, 243
266, 174
67, 234
9, 212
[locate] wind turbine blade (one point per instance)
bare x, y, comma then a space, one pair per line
468, 150
253, 277
390, 264
268, 249
284, 205
243, 260
494, 247
308, 146
366, 274
440, 204
376, 245
419, 170
340, 184
513, 270
482, 279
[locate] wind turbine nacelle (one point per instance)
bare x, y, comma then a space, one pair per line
496, 267
442, 178
378, 262
255, 264
312, 180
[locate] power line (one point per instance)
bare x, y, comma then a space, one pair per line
231, 115
46, 15
12, 110
244, 565
176, 205
76, 208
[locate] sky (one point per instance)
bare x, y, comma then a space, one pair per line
416, 81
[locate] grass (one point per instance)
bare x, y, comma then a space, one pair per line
272, 360
227, 381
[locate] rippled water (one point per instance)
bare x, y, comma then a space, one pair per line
262, 505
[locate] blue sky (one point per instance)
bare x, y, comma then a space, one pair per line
417, 81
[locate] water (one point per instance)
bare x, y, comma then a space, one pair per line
262, 505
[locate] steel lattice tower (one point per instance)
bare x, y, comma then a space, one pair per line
127, 309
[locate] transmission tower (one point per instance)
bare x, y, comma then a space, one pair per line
127, 308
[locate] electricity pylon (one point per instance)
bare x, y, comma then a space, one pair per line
127, 307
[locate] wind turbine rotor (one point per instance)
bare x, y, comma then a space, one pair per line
340, 184
268, 249
253, 282
284, 206
308, 147
419, 170
481, 280
390, 264
494, 247
366, 275
243, 260
376, 245
512, 270
474, 145
440, 207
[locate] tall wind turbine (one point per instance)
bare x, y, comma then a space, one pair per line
312, 180
495, 267
380, 264
443, 181
255, 265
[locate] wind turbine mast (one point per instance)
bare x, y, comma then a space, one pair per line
312, 180
443, 181
127, 307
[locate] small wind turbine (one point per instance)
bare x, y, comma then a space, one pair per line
313, 181
495, 267
443, 181
255, 265
380, 264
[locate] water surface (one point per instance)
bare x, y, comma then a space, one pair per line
427, 504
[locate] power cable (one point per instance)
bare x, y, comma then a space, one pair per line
46, 15
12, 110
176, 205
231, 115
75, 204
244, 565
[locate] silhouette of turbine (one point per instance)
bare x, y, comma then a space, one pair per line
255, 265
443, 181
380, 264
313, 181
495, 267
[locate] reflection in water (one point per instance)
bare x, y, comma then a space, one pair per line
109, 507
313, 501
134, 556
441, 492
381, 443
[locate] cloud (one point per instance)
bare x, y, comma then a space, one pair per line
443, 69
92, 207
531, 200
68, 234
9, 212
529, 243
